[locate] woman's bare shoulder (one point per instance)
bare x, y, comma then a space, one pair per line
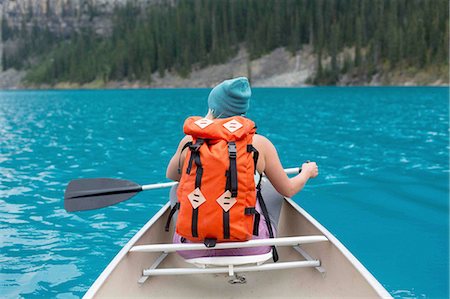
185, 139
261, 141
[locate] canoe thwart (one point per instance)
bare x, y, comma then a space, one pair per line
285, 241
234, 264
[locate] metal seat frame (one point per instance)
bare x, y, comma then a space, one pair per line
217, 265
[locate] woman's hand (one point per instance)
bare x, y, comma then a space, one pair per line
311, 169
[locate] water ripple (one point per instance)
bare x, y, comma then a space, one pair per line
382, 152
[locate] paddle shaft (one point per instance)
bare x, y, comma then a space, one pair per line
89, 194
294, 170
110, 191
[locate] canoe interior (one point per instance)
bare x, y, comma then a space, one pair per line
343, 277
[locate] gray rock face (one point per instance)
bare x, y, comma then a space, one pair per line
62, 16
11, 79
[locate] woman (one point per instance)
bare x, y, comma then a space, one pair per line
231, 98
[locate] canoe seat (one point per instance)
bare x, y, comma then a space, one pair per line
231, 264
203, 262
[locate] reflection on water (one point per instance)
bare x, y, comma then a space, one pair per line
382, 153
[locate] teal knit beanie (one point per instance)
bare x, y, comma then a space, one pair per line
230, 98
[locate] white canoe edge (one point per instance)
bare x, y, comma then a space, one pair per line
371, 280
356, 263
105, 274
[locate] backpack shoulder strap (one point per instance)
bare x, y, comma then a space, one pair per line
186, 145
251, 148
265, 213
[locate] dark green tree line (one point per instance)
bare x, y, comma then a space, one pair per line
180, 36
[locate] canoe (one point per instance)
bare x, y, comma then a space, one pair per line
313, 263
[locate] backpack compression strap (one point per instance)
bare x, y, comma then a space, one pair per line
231, 185
232, 154
195, 157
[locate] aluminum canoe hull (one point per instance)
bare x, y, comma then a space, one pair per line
345, 276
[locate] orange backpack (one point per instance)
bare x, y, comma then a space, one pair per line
217, 192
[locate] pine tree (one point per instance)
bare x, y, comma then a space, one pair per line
181, 35
333, 52
358, 41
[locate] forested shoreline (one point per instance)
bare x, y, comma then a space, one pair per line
349, 37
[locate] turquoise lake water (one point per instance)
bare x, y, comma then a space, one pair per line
383, 156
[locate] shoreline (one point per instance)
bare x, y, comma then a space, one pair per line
254, 87
279, 68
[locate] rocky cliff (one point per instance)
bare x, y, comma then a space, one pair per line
63, 16
277, 68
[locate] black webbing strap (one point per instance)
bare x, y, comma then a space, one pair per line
172, 212
191, 159
194, 224
195, 156
194, 147
187, 144
226, 215
253, 211
226, 224
266, 216
228, 181
231, 185
232, 154
256, 224
251, 148
199, 173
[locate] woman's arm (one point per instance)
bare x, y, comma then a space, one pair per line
275, 173
177, 160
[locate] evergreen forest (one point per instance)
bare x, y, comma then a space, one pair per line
179, 36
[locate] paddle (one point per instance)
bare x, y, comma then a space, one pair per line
90, 194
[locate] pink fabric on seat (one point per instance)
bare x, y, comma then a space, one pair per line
263, 234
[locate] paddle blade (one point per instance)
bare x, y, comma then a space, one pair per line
89, 194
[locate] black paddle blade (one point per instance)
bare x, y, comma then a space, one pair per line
90, 194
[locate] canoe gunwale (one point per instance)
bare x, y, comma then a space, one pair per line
382, 292
124, 251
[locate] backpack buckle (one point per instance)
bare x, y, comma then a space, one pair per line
196, 146
210, 242
232, 150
